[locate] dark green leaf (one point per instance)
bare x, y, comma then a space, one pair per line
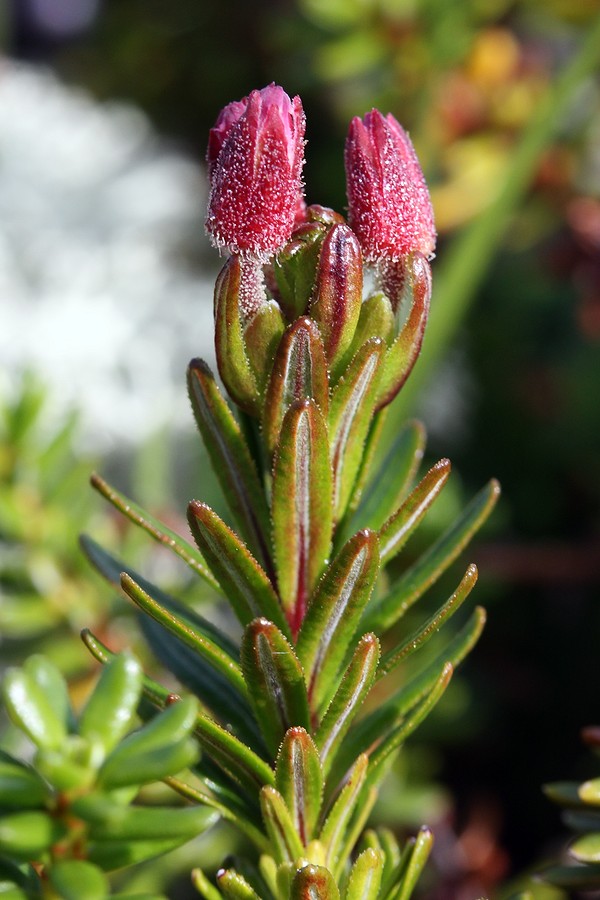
301, 507
352, 407
334, 612
137, 767
20, 786
299, 780
111, 855
140, 823
186, 551
565, 793
230, 458
574, 878
295, 268
387, 487
433, 563
245, 583
348, 699
299, 373
401, 525
201, 645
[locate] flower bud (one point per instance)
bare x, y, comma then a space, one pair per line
388, 201
255, 157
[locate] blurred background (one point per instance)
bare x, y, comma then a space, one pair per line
106, 289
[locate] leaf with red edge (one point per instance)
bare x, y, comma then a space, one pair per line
404, 352
337, 299
230, 458
299, 780
394, 534
351, 411
301, 507
275, 681
243, 581
335, 611
232, 358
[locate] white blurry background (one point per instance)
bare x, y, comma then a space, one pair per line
102, 288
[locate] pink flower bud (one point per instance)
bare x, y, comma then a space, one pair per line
255, 158
388, 201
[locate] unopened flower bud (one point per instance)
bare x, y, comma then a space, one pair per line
388, 200
255, 158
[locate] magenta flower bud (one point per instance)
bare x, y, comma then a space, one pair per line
388, 200
255, 158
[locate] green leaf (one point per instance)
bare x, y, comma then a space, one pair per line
124, 769
588, 820
74, 878
299, 780
233, 756
387, 715
586, 849
50, 680
336, 824
337, 298
301, 507
575, 878
356, 825
262, 335
235, 886
589, 792
565, 793
245, 583
111, 855
376, 320
30, 708
204, 886
285, 840
299, 373
186, 551
433, 563
422, 634
295, 268
232, 358
387, 487
28, 835
352, 407
139, 823
314, 883
110, 710
275, 681
346, 703
203, 795
365, 876
401, 732
20, 786
402, 524
335, 610
230, 458
403, 354
202, 646
416, 864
